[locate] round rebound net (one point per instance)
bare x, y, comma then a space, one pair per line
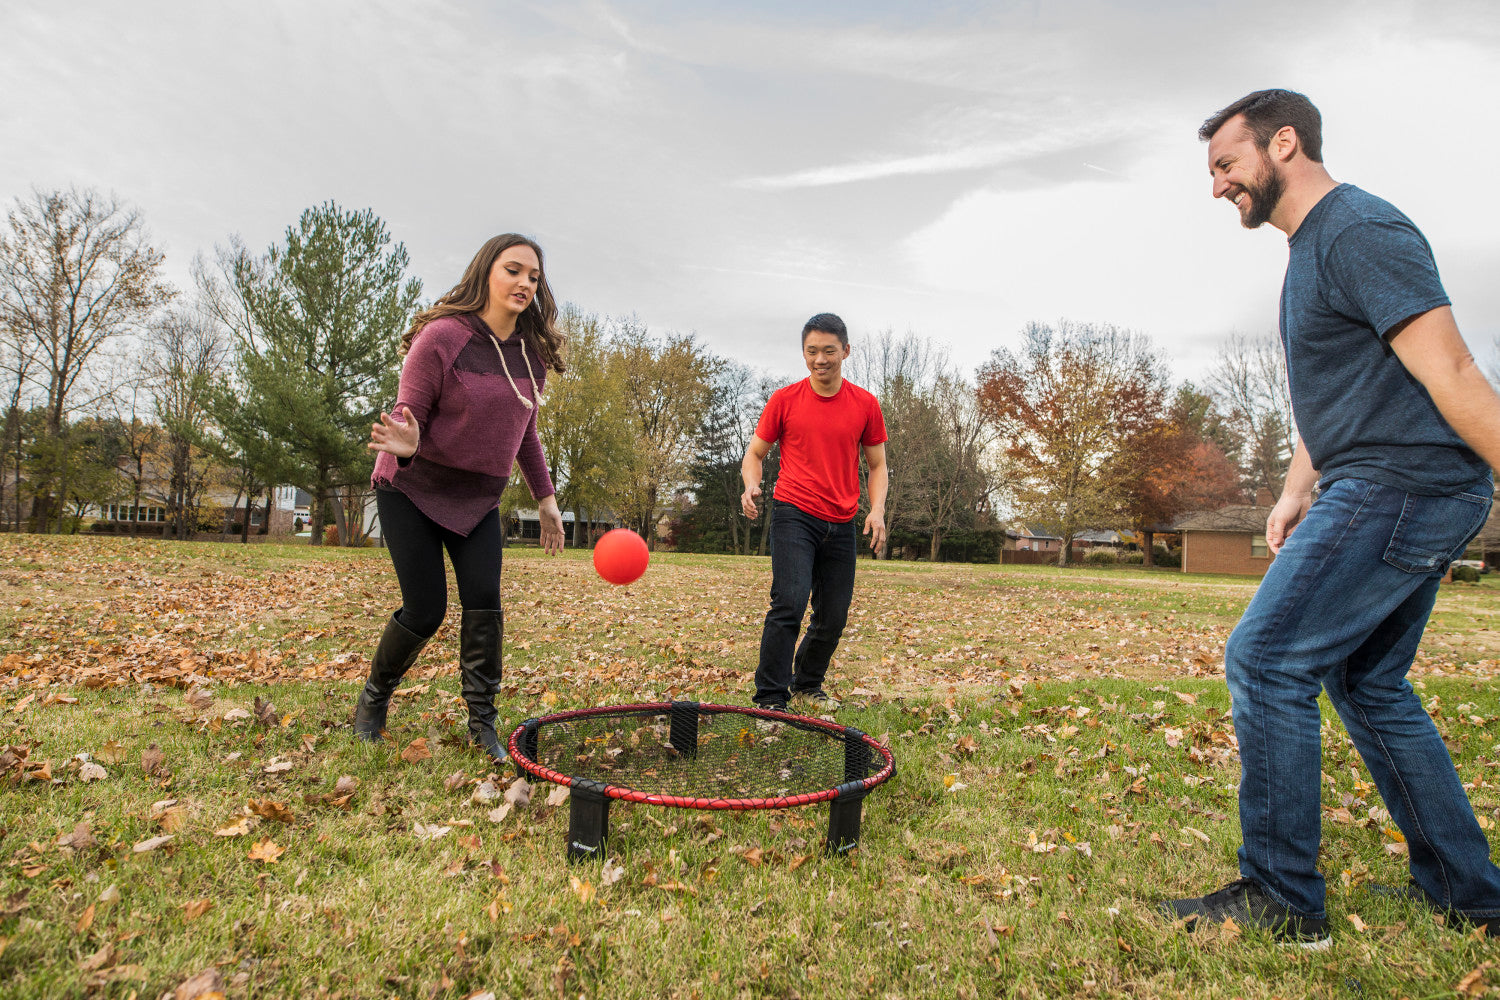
697, 756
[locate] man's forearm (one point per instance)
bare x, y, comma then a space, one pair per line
1301, 477
750, 471
1469, 404
880, 484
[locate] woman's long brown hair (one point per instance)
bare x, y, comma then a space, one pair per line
538, 324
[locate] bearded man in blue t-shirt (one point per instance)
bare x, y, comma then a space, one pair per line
1398, 430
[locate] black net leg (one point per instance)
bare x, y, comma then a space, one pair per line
588, 820
528, 745
844, 815
684, 735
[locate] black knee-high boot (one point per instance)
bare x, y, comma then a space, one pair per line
396, 653
479, 640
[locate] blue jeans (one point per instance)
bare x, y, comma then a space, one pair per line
810, 558
1343, 608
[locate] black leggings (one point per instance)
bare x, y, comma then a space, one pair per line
416, 543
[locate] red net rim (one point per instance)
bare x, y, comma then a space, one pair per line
531, 767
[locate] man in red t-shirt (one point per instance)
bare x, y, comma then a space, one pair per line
822, 422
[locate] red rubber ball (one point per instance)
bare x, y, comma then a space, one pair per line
620, 556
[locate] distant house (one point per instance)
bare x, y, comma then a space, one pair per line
1228, 540
1031, 538
1106, 539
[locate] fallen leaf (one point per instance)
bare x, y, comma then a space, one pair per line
416, 751
1472, 985
345, 785
86, 921
99, 959
199, 987
198, 698
753, 856
1354, 918
112, 752
677, 887
270, 809
612, 872
455, 780
236, 715
238, 828
265, 850
519, 793
1183, 696
92, 772
21, 705
196, 908
265, 713
582, 889
153, 761
153, 843
81, 839
485, 793
558, 795
430, 832
498, 815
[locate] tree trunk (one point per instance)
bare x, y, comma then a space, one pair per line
229, 514
936, 547
1149, 557
265, 517
1066, 550
340, 519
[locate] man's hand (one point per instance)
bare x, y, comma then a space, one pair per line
875, 528
552, 526
1285, 516
747, 502
399, 437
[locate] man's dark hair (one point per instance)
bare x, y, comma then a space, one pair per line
826, 323
1267, 112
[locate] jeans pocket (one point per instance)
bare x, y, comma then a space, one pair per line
1433, 531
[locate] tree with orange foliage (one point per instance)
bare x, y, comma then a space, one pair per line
1068, 408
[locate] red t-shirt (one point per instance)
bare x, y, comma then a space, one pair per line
820, 440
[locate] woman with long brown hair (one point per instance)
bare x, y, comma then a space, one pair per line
475, 370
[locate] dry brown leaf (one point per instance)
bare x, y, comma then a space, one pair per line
753, 856
201, 986
345, 785
99, 959
519, 793
430, 831
153, 843
92, 772
1472, 985
612, 872
238, 828
153, 761
677, 887
194, 909
198, 698
112, 752
86, 921
270, 809
455, 780
81, 839
1359, 925
416, 751
265, 713
266, 851
799, 861
558, 795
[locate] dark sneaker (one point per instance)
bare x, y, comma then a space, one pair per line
771, 706
1249, 905
1456, 919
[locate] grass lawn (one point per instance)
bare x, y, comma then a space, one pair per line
1063, 740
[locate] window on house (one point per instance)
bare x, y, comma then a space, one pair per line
1258, 547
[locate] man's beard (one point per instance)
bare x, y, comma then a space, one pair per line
1264, 195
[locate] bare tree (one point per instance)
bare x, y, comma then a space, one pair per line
1249, 382
186, 349
75, 271
667, 383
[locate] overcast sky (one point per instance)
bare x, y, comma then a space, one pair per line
731, 168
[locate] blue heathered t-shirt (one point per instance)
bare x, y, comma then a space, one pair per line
1358, 267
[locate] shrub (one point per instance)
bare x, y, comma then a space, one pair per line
331, 535
1101, 557
1465, 574
1170, 558
1132, 558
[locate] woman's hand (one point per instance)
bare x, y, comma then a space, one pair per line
399, 437
552, 526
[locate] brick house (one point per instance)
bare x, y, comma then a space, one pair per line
1228, 540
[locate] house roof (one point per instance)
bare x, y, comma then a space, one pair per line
1031, 531
1250, 518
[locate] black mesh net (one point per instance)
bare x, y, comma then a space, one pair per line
703, 754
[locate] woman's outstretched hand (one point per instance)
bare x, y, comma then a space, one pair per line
400, 436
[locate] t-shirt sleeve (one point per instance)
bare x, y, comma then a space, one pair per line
1382, 273
874, 426
771, 419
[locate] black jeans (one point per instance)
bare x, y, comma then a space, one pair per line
810, 558
416, 544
